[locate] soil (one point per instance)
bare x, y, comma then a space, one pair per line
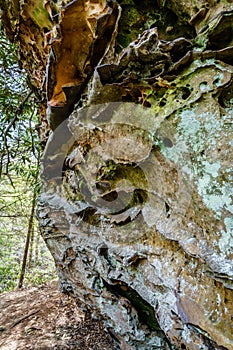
42, 318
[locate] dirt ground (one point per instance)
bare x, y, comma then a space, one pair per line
41, 318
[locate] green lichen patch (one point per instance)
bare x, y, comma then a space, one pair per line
37, 12
199, 79
203, 133
199, 130
41, 17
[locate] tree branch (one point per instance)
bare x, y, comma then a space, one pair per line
17, 113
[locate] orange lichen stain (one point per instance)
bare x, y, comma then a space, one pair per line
78, 22
163, 83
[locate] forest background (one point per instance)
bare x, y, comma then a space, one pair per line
24, 257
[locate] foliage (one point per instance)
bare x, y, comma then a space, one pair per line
19, 170
19, 149
14, 212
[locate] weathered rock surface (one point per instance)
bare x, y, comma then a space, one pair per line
136, 204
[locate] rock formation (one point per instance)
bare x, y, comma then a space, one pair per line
136, 200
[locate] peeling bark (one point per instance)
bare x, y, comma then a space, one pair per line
136, 205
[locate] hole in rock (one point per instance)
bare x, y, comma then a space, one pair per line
217, 81
225, 98
140, 196
167, 209
127, 98
162, 103
167, 142
185, 93
103, 186
222, 36
111, 196
146, 104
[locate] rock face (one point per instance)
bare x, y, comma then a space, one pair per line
136, 200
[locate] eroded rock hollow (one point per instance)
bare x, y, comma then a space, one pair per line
136, 199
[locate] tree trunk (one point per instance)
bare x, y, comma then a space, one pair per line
28, 240
135, 205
